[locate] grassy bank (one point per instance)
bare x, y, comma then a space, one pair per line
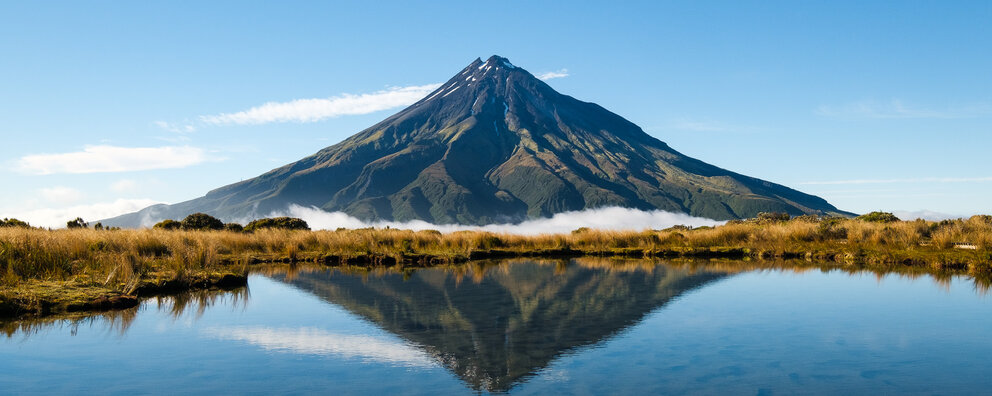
50, 271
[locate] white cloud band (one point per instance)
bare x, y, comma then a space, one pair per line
612, 218
102, 159
553, 74
56, 217
312, 110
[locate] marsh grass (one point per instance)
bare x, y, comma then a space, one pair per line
120, 257
123, 260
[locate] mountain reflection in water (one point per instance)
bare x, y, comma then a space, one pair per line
495, 324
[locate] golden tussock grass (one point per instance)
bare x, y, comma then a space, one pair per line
121, 259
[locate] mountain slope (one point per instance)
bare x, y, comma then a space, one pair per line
495, 144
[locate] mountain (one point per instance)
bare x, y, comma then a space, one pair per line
495, 144
497, 324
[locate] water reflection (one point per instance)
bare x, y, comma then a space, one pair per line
496, 323
119, 321
314, 341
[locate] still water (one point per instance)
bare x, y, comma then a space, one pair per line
584, 326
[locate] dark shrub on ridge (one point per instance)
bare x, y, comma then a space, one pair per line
201, 222
284, 223
234, 227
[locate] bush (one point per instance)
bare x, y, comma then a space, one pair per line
878, 217
168, 224
78, 223
284, 223
234, 227
13, 223
807, 219
201, 221
773, 216
981, 219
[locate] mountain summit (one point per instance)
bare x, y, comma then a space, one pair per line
495, 144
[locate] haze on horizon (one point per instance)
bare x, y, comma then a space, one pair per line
110, 109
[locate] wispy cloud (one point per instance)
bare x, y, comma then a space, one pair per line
612, 218
906, 180
104, 158
313, 110
56, 217
896, 109
562, 73
175, 127
60, 194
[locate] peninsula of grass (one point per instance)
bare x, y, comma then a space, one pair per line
77, 269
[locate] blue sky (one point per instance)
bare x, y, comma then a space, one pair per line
109, 106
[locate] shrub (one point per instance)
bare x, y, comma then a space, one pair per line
77, 223
773, 216
981, 219
202, 221
878, 217
284, 223
168, 224
13, 223
234, 227
808, 219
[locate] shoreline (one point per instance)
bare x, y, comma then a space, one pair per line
55, 271
43, 298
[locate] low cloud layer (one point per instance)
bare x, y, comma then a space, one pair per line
104, 159
313, 110
613, 218
925, 215
57, 217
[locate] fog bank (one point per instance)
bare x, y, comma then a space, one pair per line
611, 218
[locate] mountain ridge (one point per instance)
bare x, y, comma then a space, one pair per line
495, 144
